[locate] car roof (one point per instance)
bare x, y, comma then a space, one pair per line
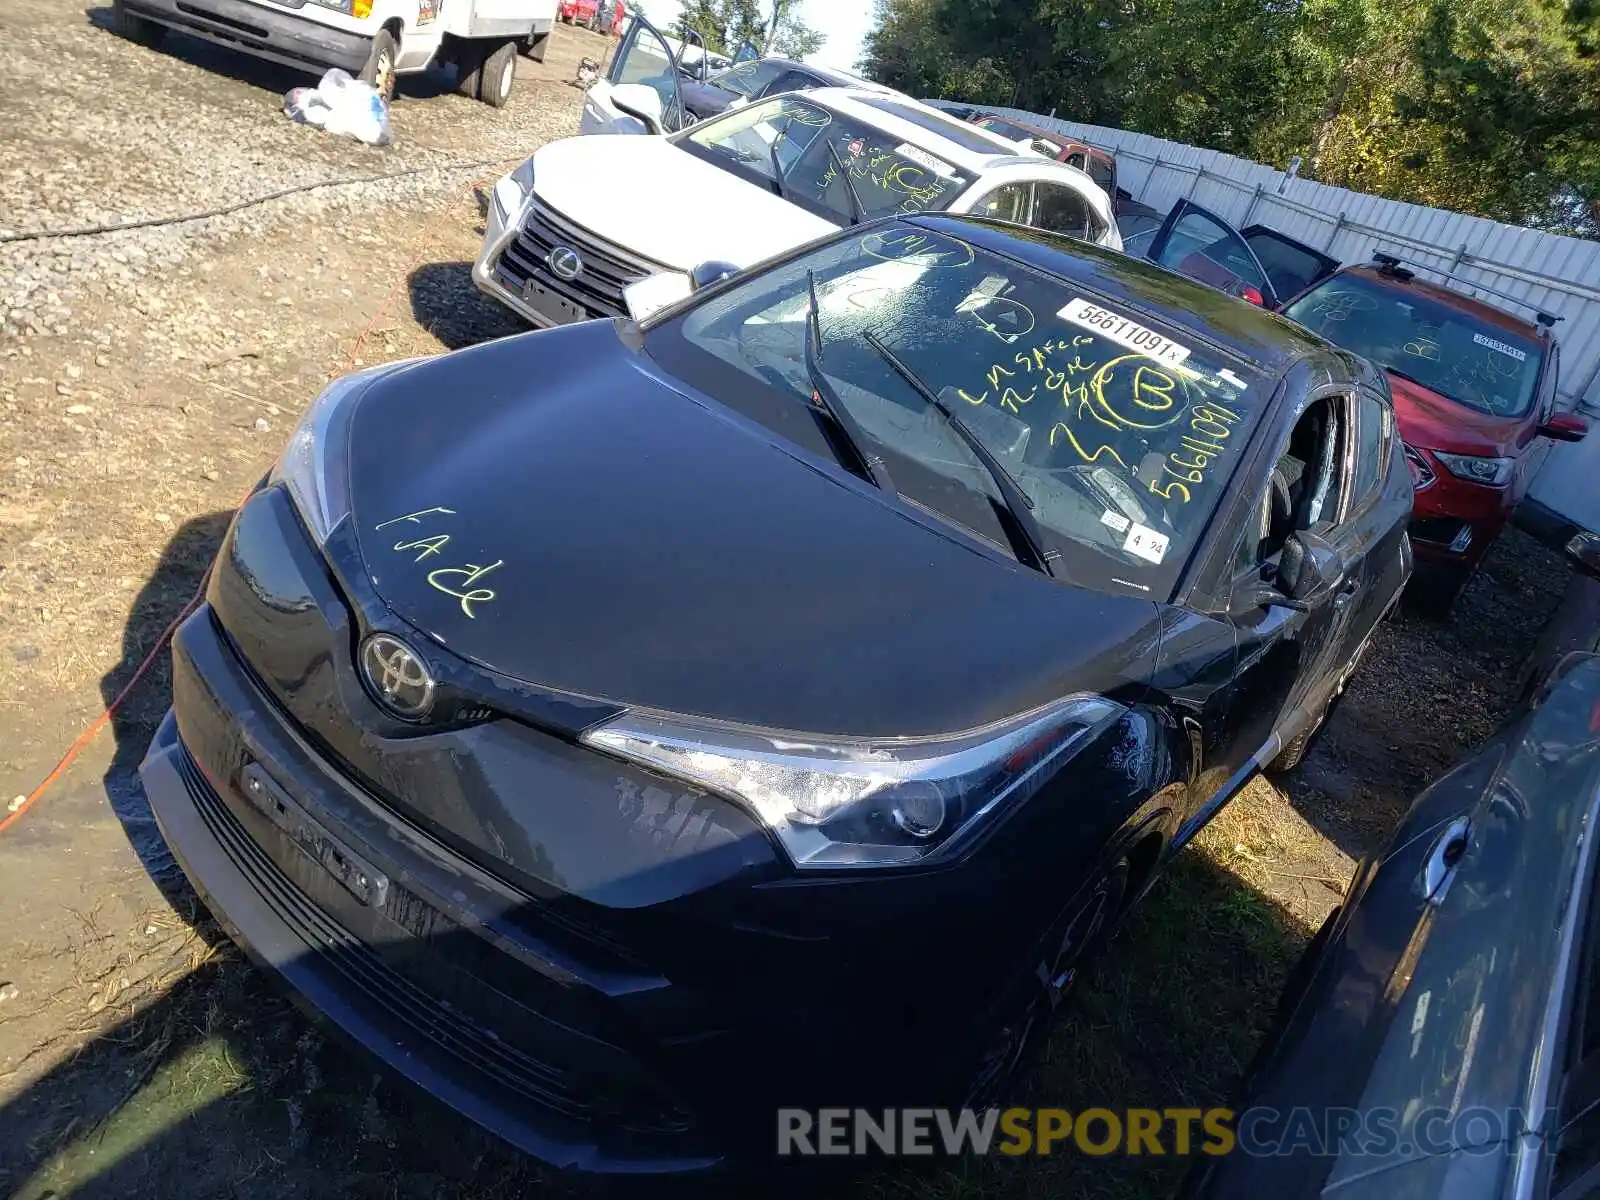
1450, 298
832, 75
963, 145
1270, 342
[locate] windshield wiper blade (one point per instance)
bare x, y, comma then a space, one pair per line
1017, 504
827, 400
858, 211
777, 166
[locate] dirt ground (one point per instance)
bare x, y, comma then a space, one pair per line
146, 380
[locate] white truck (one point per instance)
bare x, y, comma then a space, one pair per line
375, 40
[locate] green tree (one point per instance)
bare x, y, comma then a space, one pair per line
728, 24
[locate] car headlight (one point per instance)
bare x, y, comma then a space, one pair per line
1496, 472
513, 190
863, 802
311, 465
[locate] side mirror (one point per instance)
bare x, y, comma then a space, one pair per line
1308, 568
654, 292
639, 102
1584, 551
713, 271
1565, 427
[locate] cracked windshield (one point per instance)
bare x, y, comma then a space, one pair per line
1120, 433
819, 157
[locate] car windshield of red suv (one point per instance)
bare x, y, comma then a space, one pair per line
1483, 366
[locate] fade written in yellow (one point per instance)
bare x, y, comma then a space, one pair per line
1102, 1131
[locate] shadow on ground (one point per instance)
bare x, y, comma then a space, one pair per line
446, 303
222, 1087
1427, 692
260, 73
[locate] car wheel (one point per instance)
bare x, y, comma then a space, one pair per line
136, 28
1296, 749
469, 68
1014, 1031
497, 74
379, 71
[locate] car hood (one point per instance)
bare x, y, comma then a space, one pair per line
665, 204
554, 508
1437, 422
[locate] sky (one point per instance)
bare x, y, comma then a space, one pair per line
844, 21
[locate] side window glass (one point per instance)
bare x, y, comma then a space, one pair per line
1009, 202
648, 61
1373, 425
1196, 236
1062, 210
1077, 159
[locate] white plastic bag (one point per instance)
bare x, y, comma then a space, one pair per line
344, 105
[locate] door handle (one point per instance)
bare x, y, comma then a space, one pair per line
1446, 855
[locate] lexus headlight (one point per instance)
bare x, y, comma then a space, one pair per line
311, 468
865, 803
1496, 472
513, 190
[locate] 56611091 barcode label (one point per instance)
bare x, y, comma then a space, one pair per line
1115, 327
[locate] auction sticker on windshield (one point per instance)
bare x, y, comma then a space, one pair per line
1116, 328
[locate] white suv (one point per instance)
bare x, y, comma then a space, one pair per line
585, 217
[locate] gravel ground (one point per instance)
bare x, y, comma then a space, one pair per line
148, 377
103, 131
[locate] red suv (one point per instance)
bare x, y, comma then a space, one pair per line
1474, 395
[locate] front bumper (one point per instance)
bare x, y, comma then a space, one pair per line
283, 37
1456, 521
404, 946
514, 266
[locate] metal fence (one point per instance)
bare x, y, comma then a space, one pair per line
1555, 274
1559, 275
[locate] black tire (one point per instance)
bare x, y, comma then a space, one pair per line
1293, 753
497, 73
1432, 591
381, 60
136, 28
1014, 1031
469, 68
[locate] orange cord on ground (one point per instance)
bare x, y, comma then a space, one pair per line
94, 727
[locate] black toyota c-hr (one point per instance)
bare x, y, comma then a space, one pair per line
628, 729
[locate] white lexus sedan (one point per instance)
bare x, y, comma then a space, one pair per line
588, 216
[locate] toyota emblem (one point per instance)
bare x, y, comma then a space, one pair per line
398, 677
564, 262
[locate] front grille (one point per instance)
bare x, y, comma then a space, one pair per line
607, 268
442, 1023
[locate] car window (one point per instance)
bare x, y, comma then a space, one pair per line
1454, 352
1305, 489
1122, 436
1102, 173
1291, 268
815, 149
1008, 202
1077, 159
648, 61
749, 79
1200, 245
1374, 427
789, 81
1061, 209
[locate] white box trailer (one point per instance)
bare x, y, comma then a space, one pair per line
375, 40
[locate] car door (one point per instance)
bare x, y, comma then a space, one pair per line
1061, 209
1291, 657
1290, 264
644, 58
1194, 241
